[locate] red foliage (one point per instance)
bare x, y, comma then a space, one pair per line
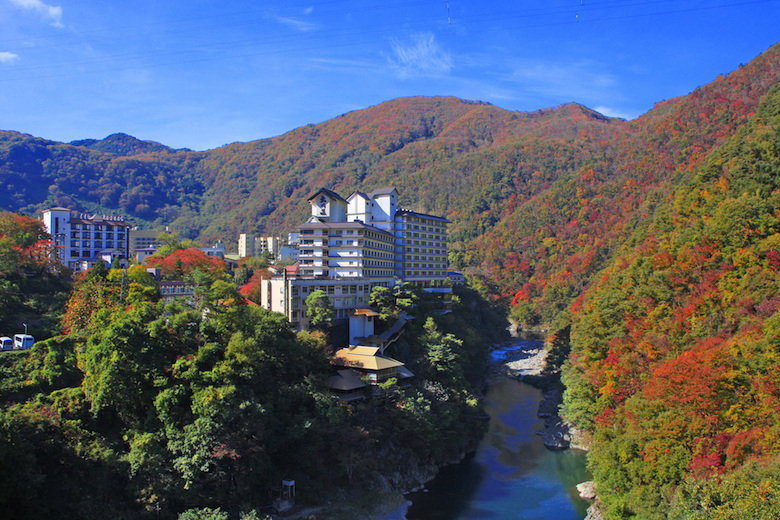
773, 258
183, 262
606, 418
692, 379
709, 456
252, 289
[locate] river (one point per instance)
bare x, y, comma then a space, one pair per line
512, 475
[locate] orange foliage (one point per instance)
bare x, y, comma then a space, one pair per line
183, 262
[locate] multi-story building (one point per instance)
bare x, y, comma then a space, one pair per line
421, 250
82, 239
249, 245
348, 246
246, 245
143, 239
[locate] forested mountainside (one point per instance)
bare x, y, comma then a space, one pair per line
539, 201
675, 348
654, 241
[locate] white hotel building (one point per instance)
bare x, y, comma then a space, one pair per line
348, 246
82, 239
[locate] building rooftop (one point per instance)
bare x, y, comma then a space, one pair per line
382, 191
424, 215
367, 358
329, 193
346, 380
342, 225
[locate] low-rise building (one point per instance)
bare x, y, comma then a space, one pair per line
249, 245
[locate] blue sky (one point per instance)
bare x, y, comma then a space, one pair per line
200, 74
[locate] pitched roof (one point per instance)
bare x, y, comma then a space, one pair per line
329, 193
346, 380
423, 215
382, 191
365, 312
367, 358
359, 194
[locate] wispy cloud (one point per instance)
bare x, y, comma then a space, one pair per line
8, 57
342, 65
49, 12
300, 25
420, 57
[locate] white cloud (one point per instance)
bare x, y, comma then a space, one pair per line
50, 12
342, 65
8, 57
297, 24
422, 56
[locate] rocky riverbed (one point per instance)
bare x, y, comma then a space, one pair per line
529, 364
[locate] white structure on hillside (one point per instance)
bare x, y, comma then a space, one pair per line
249, 245
348, 246
82, 239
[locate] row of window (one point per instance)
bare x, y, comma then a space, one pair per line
94, 227
340, 314
430, 274
97, 234
331, 289
177, 289
94, 245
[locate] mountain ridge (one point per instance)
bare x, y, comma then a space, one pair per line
481, 166
650, 249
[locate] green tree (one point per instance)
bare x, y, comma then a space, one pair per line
442, 352
319, 309
205, 513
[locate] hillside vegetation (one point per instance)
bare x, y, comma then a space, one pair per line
654, 241
539, 201
147, 409
675, 349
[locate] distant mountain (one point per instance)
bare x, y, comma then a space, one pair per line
539, 201
121, 144
655, 241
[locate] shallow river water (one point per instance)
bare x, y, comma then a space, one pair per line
512, 475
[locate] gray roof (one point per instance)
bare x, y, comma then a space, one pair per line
359, 193
382, 191
347, 379
342, 225
329, 193
402, 212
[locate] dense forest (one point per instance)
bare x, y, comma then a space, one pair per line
651, 244
141, 408
675, 348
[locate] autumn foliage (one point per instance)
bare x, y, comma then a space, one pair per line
675, 349
182, 262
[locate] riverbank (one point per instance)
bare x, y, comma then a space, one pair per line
528, 364
514, 424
